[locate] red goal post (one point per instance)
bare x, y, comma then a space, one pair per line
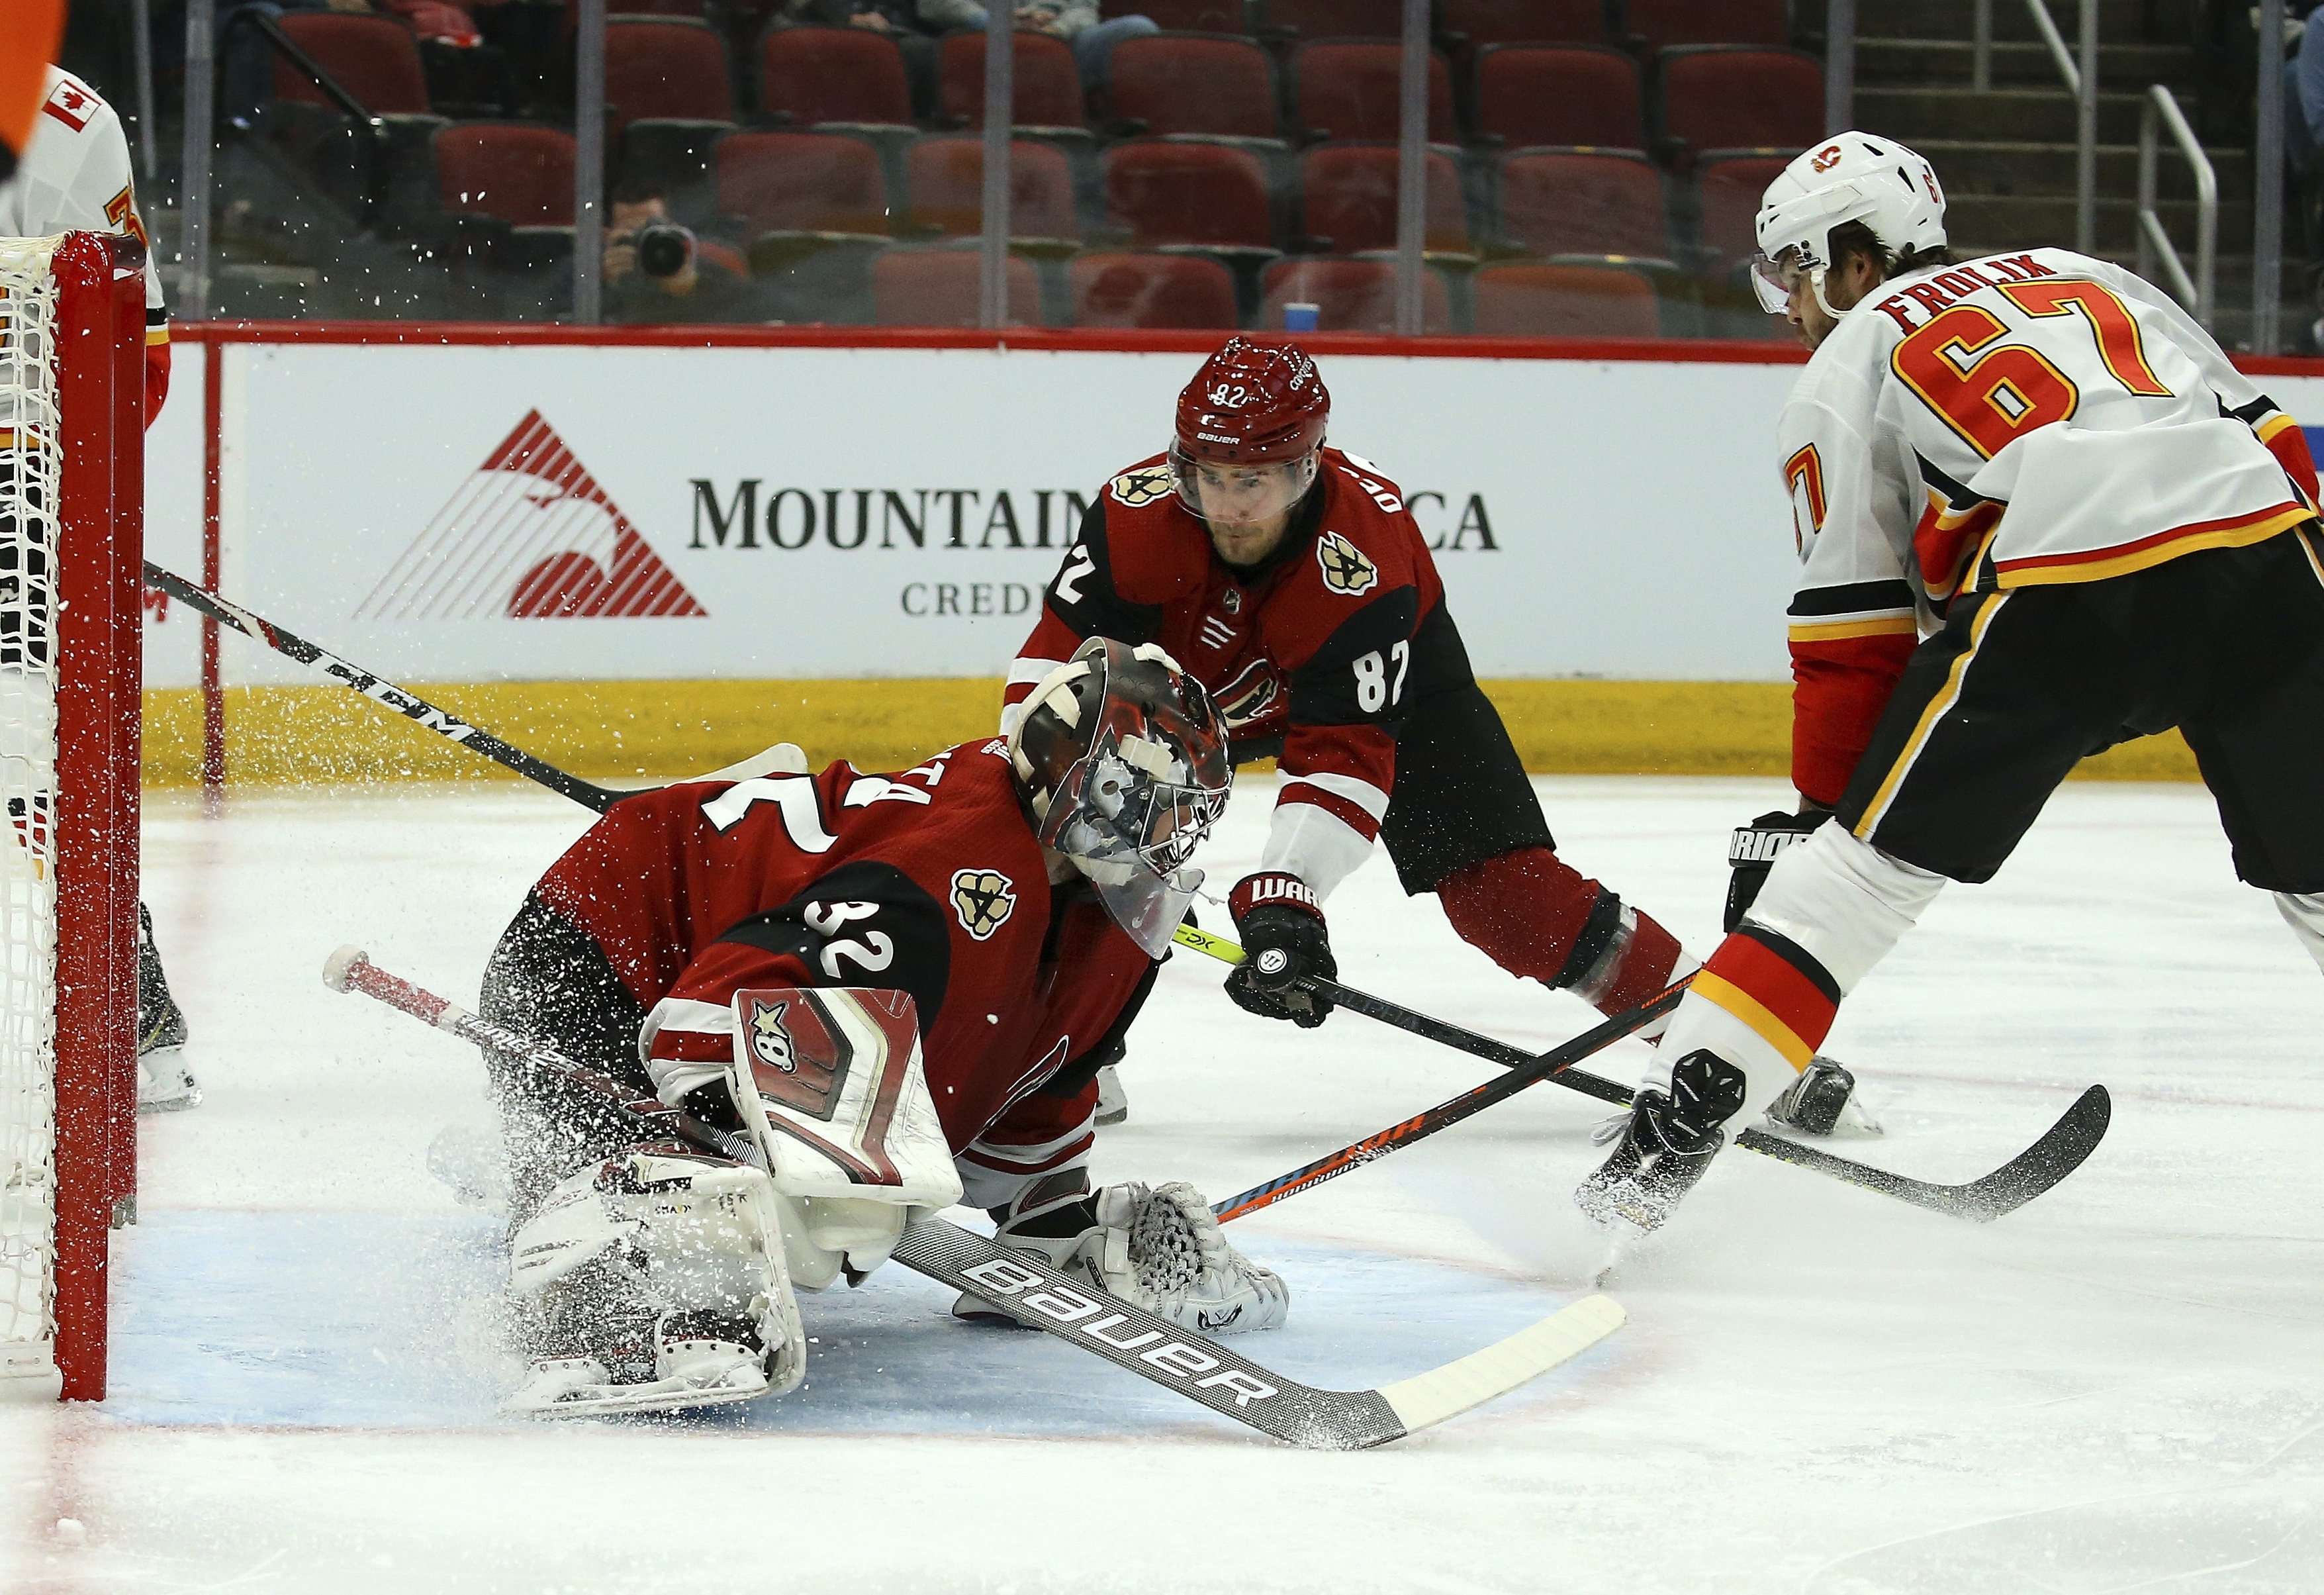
71, 541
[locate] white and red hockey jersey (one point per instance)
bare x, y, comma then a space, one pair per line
2013, 422
75, 177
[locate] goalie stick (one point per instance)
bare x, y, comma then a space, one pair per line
1126, 1335
2060, 1150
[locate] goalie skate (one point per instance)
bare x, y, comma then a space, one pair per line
653, 1282
698, 1364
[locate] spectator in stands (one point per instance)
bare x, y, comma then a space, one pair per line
915, 25
1076, 22
699, 290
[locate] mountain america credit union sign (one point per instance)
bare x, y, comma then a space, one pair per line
746, 515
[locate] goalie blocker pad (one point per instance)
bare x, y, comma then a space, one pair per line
830, 1084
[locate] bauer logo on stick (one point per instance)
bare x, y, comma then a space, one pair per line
1346, 570
983, 899
1139, 488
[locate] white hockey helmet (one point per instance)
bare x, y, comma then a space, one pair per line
1851, 176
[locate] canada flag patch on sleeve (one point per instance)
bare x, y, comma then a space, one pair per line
72, 105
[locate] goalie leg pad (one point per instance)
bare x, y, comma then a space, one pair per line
652, 1282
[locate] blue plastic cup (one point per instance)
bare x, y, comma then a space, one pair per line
1301, 318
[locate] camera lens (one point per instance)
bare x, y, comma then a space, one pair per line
664, 248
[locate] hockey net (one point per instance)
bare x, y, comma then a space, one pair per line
71, 412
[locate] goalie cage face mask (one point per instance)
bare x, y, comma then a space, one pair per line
1124, 759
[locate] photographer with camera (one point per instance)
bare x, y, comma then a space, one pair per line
656, 270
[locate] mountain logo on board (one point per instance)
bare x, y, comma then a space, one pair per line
531, 536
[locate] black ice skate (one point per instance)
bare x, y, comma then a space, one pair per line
1666, 1145
1814, 1102
163, 1082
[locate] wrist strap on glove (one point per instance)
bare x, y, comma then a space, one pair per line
1272, 888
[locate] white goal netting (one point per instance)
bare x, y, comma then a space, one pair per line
31, 476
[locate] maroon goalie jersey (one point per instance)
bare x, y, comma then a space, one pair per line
927, 881
1316, 655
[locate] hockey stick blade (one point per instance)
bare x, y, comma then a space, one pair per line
379, 690
1127, 1335
2063, 1147
1153, 1348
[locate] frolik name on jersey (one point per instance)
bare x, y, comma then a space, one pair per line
1920, 303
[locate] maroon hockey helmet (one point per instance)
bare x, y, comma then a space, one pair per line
1123, 758
1248, 427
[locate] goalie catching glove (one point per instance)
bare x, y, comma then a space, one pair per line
1158, 1249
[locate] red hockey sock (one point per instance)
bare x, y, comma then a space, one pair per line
1538, 917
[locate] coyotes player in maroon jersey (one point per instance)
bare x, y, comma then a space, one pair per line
1291, 580
932, 881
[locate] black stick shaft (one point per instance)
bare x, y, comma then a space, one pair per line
449, 727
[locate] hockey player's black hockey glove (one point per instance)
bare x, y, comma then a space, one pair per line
1281, 927
1752, 851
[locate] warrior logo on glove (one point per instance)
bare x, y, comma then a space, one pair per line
1139, 488
982, 900
1347, 570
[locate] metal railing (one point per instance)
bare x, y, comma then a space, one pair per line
2081, 82
2161, 109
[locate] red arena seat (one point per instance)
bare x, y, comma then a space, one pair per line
1582, 202
1165, 290
1188, 193
523, 175
1352, 90
1665, 22
1551, 94
1047, 84
947, 178
1221, 86
808, 182
1333, 19
1352, 296
1731, 187
938, 288
373, 57
1527, 300
666, 68
1719, 97
1348, 195
817, 75
1183, 16
1525, 22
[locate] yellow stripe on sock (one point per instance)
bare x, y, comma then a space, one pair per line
1753, 1013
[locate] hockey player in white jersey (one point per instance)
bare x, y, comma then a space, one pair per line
2038, 512
74, 175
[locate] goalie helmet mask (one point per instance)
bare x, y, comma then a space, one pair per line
1123, 759
1849, 177
1249, 428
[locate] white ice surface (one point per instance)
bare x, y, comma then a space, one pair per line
2119, 1387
